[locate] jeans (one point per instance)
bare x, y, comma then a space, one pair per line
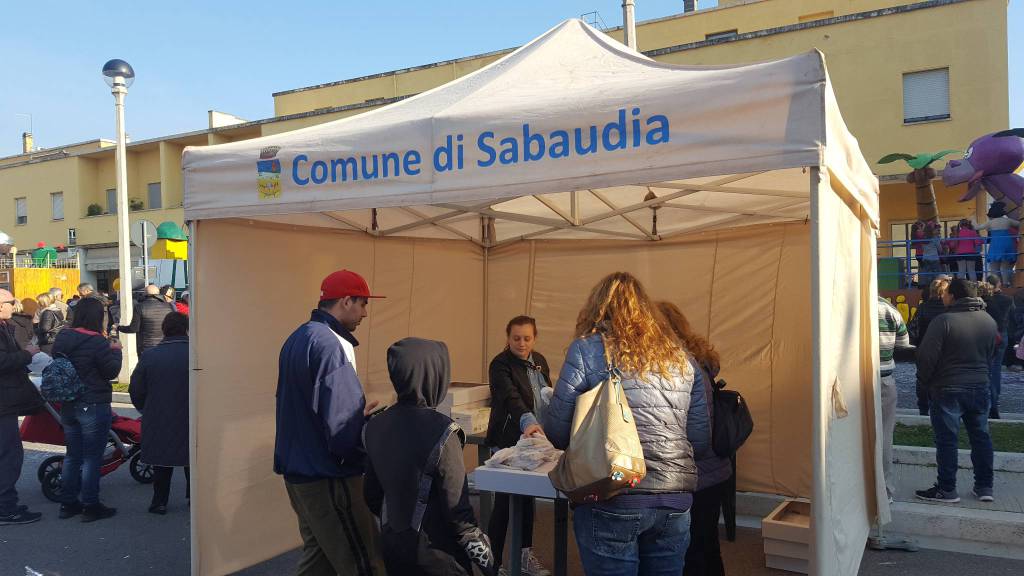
948, 408
631, 541
86, 430
12, 456
995, 374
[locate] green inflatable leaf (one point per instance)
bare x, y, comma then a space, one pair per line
943, 154
920, 161
894, 157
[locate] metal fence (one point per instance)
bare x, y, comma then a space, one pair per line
900, 268
26, 261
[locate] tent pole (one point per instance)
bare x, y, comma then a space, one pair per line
820, 525
193, 432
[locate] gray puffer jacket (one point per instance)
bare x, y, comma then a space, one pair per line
660, 407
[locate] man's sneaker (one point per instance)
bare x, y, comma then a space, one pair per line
93, 512
69, 510
983, 494
936, 494
20, 517
532, 566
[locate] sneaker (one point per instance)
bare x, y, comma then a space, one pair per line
532, 566
20, 517
69, 510
93, 512
983, 494
936, 494
158, 509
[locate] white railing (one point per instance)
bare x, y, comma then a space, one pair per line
26, 261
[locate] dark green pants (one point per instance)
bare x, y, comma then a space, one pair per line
338, 531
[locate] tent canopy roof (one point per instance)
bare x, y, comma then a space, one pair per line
571, 136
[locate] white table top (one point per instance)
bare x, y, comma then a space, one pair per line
533, 483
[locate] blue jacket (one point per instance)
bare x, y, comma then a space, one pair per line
671, 415
320, 404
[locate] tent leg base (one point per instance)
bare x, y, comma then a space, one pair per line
882, 543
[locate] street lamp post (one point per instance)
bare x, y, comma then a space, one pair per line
119, 75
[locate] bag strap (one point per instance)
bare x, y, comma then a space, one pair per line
615, 379
427, 476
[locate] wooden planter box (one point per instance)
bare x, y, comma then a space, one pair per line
787, 537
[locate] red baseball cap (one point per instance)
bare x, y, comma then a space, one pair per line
344, 283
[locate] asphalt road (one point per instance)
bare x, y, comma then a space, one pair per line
1011, 398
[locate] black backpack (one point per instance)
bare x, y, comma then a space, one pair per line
732, 421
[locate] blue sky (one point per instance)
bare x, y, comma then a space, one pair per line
192, 56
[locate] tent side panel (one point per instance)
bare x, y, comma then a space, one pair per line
434, 289
844, 498
726, 285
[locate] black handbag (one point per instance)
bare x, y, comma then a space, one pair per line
732, 421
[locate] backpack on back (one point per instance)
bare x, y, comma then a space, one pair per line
61, 382
733, 423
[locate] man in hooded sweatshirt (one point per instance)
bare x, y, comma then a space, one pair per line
953, 366
415, 478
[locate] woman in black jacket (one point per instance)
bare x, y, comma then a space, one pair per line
518, 375
159, 389
86, 421
51, 321
24, 329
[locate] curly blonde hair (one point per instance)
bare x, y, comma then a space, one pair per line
694, 343
638, 340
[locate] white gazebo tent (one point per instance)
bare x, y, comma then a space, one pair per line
766, 215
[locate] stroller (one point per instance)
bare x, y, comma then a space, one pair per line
123, 445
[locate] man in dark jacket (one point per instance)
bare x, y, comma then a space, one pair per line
318, 449
148, 317
415, 477
952, 364
159, 389
17, 397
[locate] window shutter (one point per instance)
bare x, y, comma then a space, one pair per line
926, 96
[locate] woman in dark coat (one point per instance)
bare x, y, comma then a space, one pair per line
159, 389
86, 420
517, 377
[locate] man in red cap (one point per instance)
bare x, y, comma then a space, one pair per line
18, 397
321, 410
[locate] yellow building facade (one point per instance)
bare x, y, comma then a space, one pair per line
873, 49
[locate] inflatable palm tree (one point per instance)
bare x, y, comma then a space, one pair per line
921, 177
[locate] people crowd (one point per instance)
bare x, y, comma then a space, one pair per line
962, 253
83, 332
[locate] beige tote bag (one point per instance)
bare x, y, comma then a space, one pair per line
604, 456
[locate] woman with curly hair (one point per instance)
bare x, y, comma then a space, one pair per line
646, 529
704, 556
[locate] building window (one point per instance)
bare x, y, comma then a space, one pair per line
155, 200
112, 201
722, 35
21, 210
72, 237
926, 96
57, 205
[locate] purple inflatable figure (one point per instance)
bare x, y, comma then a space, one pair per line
995, 162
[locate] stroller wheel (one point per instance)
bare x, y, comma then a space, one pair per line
51, 485
52, 463
143, 473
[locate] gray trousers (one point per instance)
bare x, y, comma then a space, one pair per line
889, 397
12, 455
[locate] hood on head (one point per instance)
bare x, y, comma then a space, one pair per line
420, 371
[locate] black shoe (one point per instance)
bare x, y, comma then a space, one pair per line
993, 415
160, 509
936, 494
93, 512
69, 510
20, 517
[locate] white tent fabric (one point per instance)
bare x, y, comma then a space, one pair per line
573, 137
